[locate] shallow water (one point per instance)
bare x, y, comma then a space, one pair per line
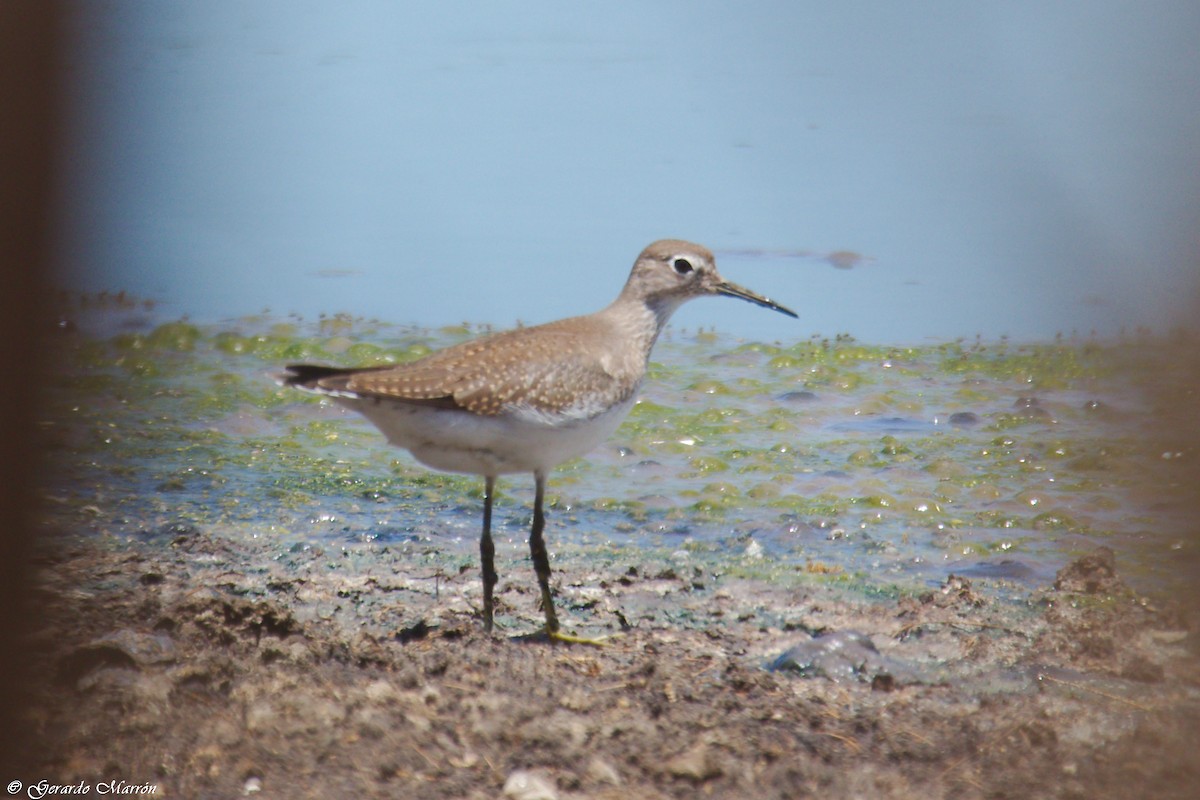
1017, 168
881, 468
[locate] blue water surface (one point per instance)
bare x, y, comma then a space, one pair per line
896, 171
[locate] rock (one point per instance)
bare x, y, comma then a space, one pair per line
697, 764
955, 591
601, 771
838, 655
1095, 573
524, 784
380, 692
754, 550
124, 649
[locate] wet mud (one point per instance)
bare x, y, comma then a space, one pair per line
163, 663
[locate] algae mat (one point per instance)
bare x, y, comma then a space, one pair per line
880, 467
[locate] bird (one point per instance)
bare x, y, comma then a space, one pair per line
528, 399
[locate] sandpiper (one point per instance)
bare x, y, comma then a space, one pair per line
527, 400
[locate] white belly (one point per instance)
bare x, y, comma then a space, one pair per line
459, 441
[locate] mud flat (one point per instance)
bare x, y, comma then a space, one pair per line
166, 665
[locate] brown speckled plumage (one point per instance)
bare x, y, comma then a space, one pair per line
549, 368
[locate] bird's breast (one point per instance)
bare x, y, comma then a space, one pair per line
519, 439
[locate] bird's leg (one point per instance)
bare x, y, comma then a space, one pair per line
537, 549
541, 564
487, 552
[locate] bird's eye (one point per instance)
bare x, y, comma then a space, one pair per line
682, 266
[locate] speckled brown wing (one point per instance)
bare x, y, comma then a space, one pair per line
548, 369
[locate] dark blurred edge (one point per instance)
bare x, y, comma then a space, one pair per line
29, 83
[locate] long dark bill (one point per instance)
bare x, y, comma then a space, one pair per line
733, 290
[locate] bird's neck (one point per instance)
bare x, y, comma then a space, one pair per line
640, 320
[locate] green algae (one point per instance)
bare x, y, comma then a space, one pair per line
1040, 366
185, 419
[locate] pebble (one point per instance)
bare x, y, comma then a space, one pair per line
797, 397
525, 785
754, 550
837, 655
697, 764
964, 418
380, 691
601, 771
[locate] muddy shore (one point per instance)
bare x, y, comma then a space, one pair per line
203, 668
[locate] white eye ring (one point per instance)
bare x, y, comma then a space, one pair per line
682, 265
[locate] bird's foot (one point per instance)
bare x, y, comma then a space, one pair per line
553, 636
566, 638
